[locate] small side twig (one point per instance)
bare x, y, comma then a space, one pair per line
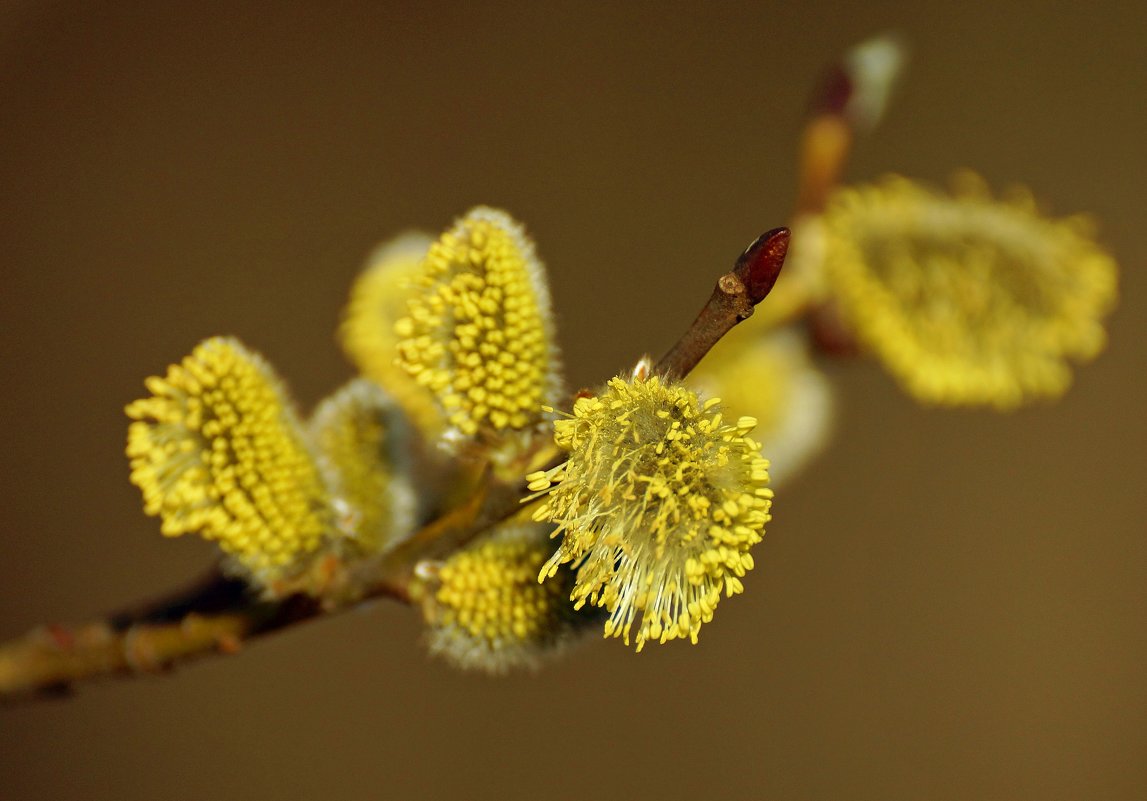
850, 100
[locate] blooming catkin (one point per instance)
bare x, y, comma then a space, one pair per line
358, 435
479, 333
657, 506
966, 299
769, 376
218, 450
485, 609
377, 301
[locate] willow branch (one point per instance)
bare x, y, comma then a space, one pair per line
214, 615
218, 614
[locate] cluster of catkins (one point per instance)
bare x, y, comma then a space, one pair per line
642, 499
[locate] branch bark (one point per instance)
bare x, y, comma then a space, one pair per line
213, 615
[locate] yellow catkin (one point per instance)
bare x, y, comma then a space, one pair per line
771, 377
479, 332
359, 436
377, 301
967, 299
218, 450
657, 506
485, 609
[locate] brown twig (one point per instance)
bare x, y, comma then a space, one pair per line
734, 297
214, 615
217, 614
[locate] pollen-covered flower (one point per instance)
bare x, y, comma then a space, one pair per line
358, 436
967, 299
657, 506
479, 333
770, 377
218, 450
377, 301
485, 609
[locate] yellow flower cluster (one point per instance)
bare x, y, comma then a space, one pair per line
486, 609
377, 301
479, 334
218, 450
658, 506
966, 299
459, 330
770, 376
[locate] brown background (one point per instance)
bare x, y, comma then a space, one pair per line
950, 605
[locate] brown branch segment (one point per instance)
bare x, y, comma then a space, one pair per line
213, 616
217, 614
48, 660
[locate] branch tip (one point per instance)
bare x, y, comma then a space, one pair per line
858, 86
732, 301
760, 264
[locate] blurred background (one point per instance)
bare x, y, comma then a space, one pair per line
949, 605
